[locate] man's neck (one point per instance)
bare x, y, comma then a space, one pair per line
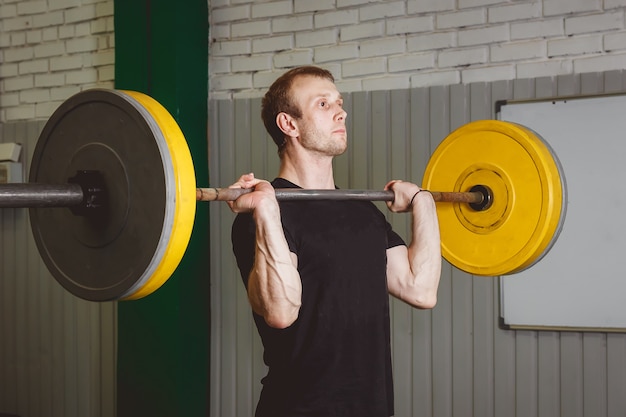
308, 172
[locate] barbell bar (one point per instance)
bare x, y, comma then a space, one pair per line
31, 195
121, 165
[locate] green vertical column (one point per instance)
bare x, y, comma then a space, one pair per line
161, 49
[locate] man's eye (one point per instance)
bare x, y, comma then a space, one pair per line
323, 104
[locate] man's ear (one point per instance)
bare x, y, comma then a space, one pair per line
287, 124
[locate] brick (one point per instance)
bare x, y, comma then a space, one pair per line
50, 49
615, 41
461, 19
462, 57
5, 40
513, 12
411, 62
67, 31
34, 36
385, 83
81, 45
34, 95
382, 10
18, 39
594, 23
219, 32
382, 47
430, 41
8, 70
18, 54
362, 31
19, 83
99, 25
82, 29
8, 10
63, 93
31, 7
251, 63
349, 3
516, 51
466, 4
230, 48
579, 45
317, 38
559, 7
249, 29
80, 14
272, 9
264, 79
544, 69
612, 4
410, 25
428, 79
337, 18
48, 19
232, 82
486, 74
25, 112
543, 29
336, 52
484, 36
600, 63
84, 76
293, 58
431, 6
50, 80
230, 14
63, 4
292, 24
347, 86
9, 100
305, 6
66, 63
104, 8
45, 110
220, 66
17, 23
106, 73
363, 67
49, 34
33, 67
272, 43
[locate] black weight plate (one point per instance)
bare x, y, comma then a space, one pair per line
102, 257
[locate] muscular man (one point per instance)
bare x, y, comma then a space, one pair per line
318, 273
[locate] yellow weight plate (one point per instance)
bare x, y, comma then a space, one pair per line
528, 191
181, 195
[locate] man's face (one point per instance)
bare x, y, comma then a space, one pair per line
322, 126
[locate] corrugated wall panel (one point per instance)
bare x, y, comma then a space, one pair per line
57, 352
454, 360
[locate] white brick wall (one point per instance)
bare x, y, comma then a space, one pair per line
370, 44
50, 50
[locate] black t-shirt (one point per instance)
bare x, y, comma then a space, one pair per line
335, 359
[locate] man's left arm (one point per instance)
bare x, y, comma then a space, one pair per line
413, 272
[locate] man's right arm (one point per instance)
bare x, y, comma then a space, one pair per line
274, 286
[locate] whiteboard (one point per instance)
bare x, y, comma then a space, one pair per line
580, 284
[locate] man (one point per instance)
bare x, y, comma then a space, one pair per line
318, 273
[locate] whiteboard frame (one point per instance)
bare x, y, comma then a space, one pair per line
557, 124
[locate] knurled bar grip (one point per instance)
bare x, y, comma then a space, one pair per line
230, 194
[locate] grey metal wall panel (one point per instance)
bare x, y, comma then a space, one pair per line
454, 360
57, 353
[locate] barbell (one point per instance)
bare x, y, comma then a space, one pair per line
120, 165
